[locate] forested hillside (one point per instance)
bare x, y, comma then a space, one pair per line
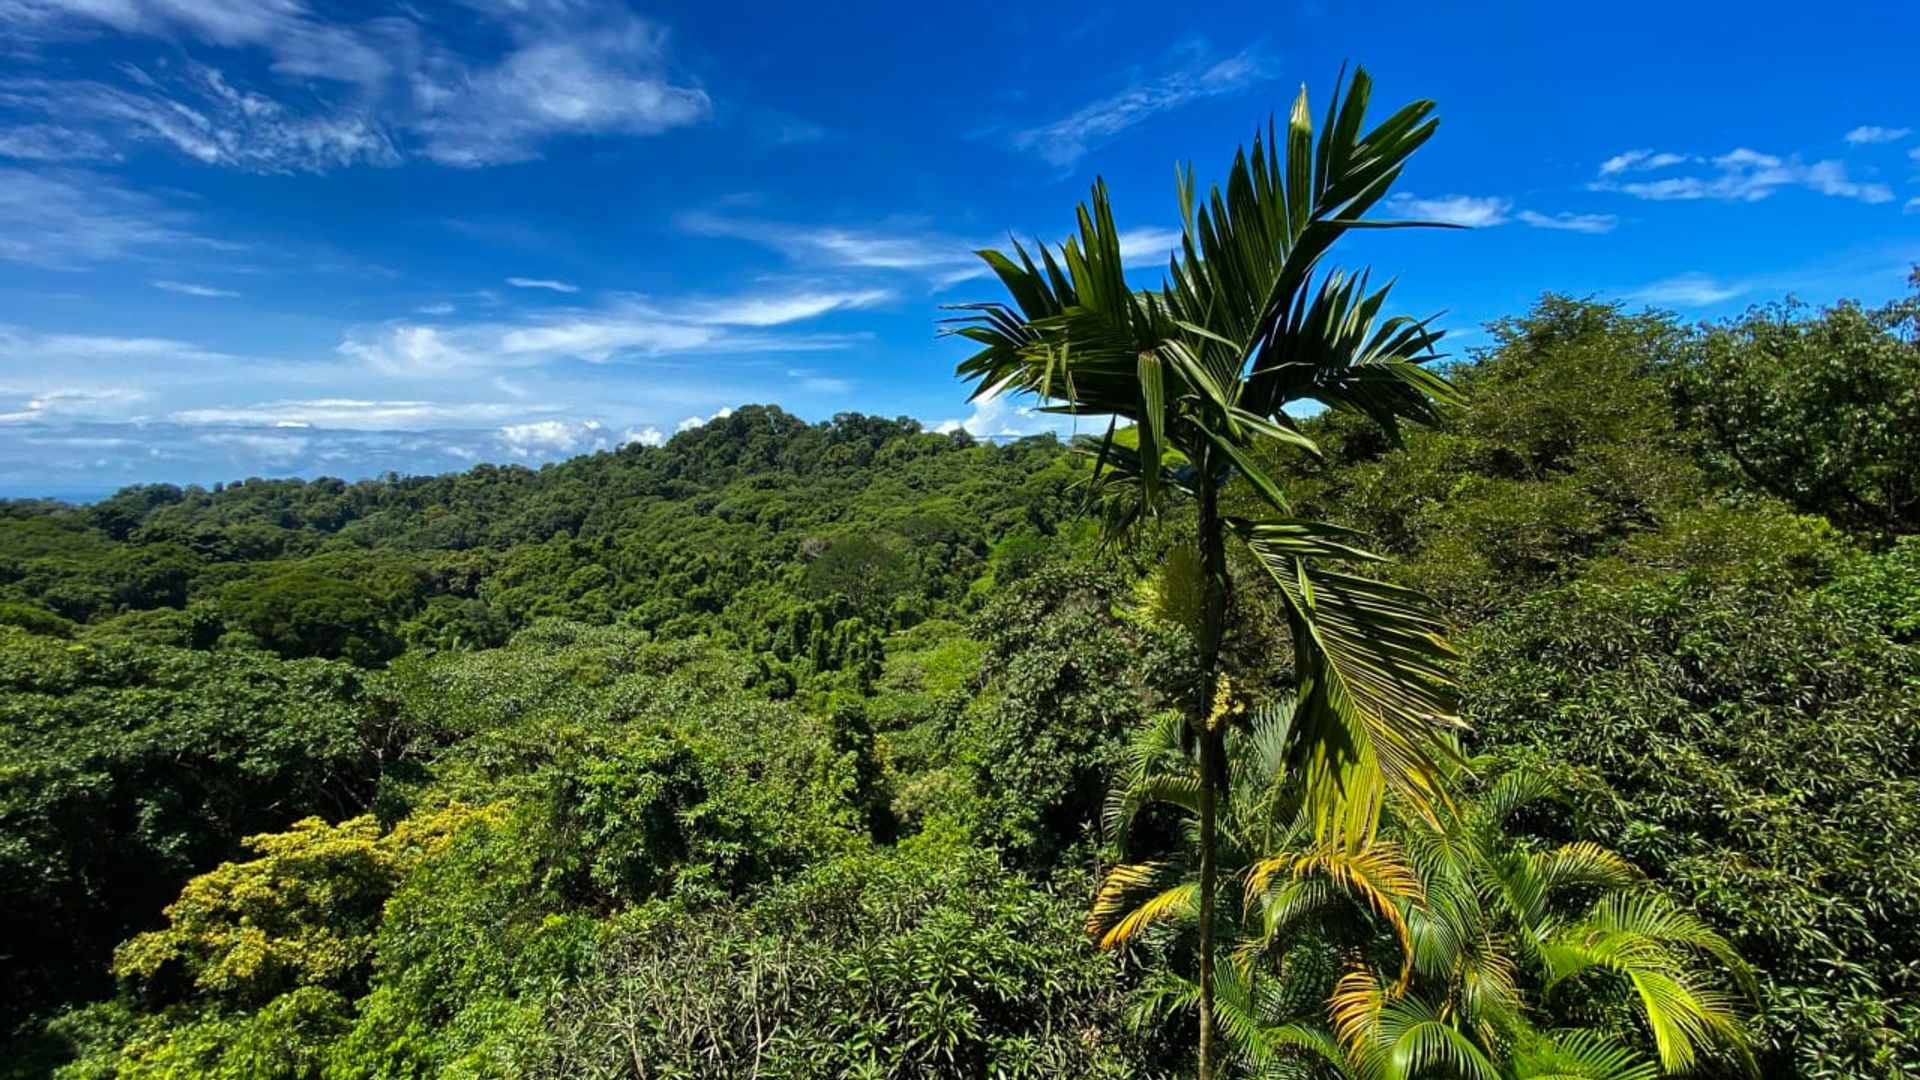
794, 750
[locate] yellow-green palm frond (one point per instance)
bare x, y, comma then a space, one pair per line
1486, 987
1657, 948
1416, 1039
1355, 1006
1135, 896
1376, 874
1584, 863
1578, 1055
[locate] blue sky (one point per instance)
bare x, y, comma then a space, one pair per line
281, 237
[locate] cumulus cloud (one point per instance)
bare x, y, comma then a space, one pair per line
692, 422
1003, 417
546, 438
1740, 175
1195, 75
406, 350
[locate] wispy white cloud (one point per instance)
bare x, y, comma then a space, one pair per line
780, 309
1639, 161
1486, 211
1570, 222
905, 247
1195, 75
1743, 175
375, 91
253, 445
627, 327
59, 402
1469, 210
1689, 290
67, 219
1869, 135
193, 109
27, 350
543, 283
1912, 205
301, 44
48, 142
189, 288
1148, 246
608, 77
356, 413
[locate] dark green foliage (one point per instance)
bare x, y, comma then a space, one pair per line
1065, 680
1761, 739
1566, 447
914, 964
125, 770
1818, 409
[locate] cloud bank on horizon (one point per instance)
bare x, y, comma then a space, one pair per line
245, 239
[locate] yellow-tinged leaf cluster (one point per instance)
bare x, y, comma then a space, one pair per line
302, 912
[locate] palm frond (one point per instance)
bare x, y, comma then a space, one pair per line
1378, 702
1135, 896
1583, 863
1579, 1055
1646, 940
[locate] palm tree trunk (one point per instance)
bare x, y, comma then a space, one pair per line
1213, 566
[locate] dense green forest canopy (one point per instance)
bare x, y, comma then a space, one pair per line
785, 749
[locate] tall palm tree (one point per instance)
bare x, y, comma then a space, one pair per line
1203, 370
1457, 936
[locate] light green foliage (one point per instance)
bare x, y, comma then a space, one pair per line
1065, 678
302, 913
